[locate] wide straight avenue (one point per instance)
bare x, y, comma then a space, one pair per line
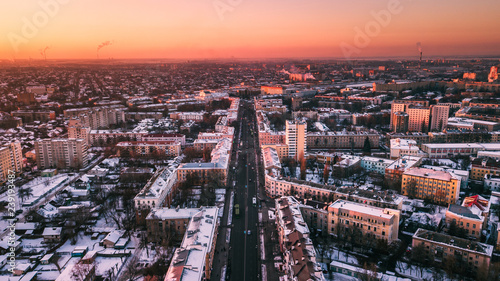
244, 236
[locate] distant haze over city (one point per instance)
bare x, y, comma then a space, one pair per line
57, 29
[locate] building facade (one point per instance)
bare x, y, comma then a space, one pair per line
438, 186
296, 139
61, 153
11, 160
441, 249
373, 222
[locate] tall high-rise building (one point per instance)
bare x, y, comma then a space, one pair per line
11, 157
400, 122
419, 117
439, 117
296, 138
61, 153
395, 108
77, 130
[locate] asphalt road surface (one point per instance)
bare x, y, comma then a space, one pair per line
244, 256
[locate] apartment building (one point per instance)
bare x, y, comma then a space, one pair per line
193, 260
394, 172
29, 116
421, 116
11, 160
77, 130
269, 137
400, 122
315, 214
168, 225
98, 117
281, 149
202, 144
271, 90
277, 187
484, 166
149, 148
342, 139
375, 164
402, 105
165, 137
217, 167
372, 221
472, 215
61, 153
186, 116
110, 137
299, 256
438, 186
296, 138
441, 248
271, 161
446, 150
439, 117
404, 147
158, 191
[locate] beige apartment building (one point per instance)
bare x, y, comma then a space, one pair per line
438, 186
167, 225
149, 148
439, 117
11, 159
342, 140
374, 222
77, 130
296, 138
472, 215
419, 118
281, 149
471, 256
61, 153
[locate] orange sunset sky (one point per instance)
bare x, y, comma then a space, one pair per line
73, 29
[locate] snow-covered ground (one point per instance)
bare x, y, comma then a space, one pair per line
42, 186
413, 271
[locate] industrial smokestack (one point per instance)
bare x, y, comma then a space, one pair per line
419, 48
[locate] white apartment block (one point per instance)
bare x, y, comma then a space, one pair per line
375, 164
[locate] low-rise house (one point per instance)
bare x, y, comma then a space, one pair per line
52, 234
112, 238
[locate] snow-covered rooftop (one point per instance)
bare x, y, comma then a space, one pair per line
188, 262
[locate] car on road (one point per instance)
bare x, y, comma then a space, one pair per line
254, 201
249, 232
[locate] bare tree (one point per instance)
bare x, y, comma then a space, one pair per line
84, 271
132, 271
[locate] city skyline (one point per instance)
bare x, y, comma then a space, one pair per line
57, 29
